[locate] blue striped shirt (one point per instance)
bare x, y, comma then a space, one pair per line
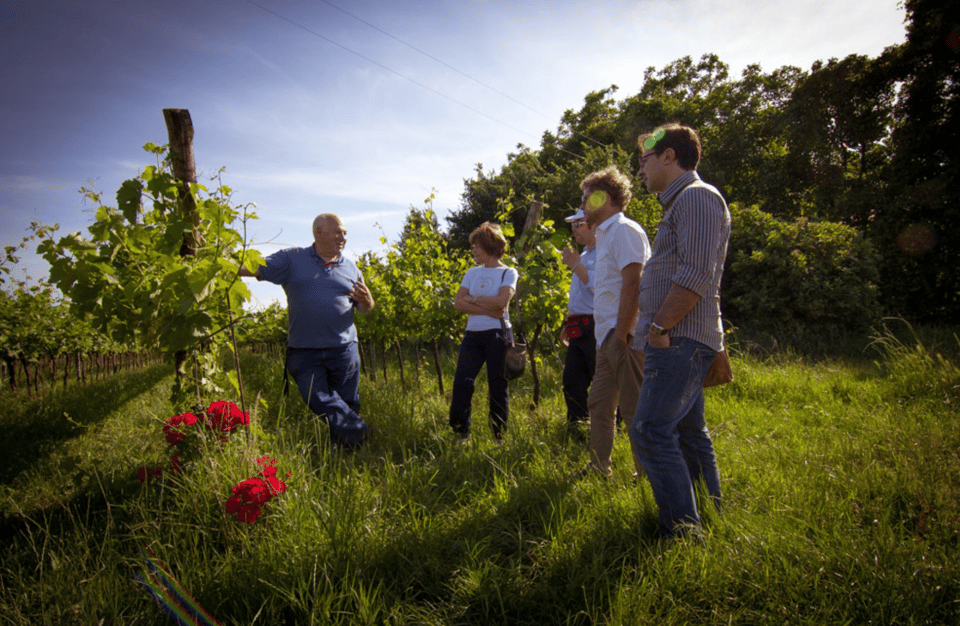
689, 250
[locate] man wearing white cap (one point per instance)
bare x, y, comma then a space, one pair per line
577, 332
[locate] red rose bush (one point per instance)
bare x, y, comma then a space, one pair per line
172, 428
223, 417
184, 432
250, 496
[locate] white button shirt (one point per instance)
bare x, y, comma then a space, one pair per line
620, 242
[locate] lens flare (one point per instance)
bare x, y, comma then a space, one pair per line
595, 200
917, 240
651, 141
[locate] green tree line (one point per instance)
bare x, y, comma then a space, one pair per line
850, 168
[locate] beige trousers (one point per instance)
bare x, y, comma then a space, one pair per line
616, 382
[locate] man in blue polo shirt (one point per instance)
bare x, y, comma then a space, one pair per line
323, 288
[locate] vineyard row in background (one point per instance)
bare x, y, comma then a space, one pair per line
48, 372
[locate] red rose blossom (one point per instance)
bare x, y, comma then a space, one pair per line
225, 416
144, 472
172, 427
251, 495
246, 513
277, 486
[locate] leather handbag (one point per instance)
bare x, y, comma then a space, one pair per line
719, 372
515, 359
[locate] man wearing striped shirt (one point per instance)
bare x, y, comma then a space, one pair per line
622, 249
679, 327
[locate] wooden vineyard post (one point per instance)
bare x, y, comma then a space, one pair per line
533, 218
180, 134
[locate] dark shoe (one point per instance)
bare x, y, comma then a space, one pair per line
350, 446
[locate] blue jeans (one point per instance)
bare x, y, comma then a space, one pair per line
329, 381
670, 433
477, 348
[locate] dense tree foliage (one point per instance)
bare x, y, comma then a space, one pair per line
798, 273
915, 229
866, 143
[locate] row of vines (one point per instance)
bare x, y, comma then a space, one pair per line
414, 282
42, 344
129, 286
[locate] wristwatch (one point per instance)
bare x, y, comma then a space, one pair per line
657, 330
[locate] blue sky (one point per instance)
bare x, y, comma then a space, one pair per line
315, 106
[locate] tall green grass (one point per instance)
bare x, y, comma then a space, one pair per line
841, 480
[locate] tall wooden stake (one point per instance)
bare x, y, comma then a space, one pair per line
533, 218
180, 134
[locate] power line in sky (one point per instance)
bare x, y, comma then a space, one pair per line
415, 82
391, 70
447, 65
433, 58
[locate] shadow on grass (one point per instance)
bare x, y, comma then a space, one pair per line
34, 429
495, 563
87, 554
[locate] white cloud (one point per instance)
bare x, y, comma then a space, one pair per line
20, 183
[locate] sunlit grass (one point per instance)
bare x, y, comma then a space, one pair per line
841, 481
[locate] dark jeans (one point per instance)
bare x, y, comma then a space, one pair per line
329, 381
671, 435
476, 349
581, 360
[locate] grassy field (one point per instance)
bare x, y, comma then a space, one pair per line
841, 481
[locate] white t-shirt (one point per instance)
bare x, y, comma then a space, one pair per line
620, 242
486, 281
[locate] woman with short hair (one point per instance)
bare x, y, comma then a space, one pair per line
484, 295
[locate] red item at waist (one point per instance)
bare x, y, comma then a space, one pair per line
578, 325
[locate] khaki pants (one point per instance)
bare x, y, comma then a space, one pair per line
616, 382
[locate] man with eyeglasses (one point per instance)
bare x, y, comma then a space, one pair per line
323, 289
577, 332
622, 249
679, 327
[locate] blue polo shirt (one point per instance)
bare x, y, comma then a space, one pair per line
319, 307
